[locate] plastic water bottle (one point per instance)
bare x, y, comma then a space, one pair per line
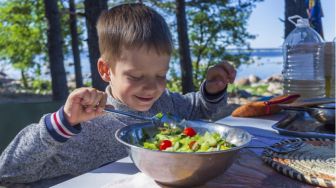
303, 69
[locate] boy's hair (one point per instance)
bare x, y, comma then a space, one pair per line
132, 26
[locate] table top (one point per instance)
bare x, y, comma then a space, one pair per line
248, 170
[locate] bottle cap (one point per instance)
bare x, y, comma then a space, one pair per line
301, 22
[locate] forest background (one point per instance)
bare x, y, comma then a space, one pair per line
44, 39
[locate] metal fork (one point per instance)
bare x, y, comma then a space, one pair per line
157, 119
282, 148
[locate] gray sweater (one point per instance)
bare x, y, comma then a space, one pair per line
37, 153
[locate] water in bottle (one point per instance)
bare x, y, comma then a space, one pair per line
303, 70
329, 67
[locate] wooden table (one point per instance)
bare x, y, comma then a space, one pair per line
247, 171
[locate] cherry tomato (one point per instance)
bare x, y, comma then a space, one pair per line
189, 131
165, 144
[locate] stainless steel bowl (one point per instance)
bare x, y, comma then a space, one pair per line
182, 169
323, 113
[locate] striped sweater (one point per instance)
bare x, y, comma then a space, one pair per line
53, 148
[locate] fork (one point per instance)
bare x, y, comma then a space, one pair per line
282, 148
157, 119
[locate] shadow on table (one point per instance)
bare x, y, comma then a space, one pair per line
118, 167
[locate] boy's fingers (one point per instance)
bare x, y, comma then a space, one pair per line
97, 98
102, 102
77, 95
216, 74
229, 69
93, 96
89, 96
85, 95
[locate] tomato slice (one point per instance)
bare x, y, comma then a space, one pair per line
165, 144
193, 145
189, 131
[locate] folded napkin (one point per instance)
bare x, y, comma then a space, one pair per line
261, 108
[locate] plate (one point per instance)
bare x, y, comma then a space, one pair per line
300, 124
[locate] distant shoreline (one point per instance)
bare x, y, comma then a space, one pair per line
268, 57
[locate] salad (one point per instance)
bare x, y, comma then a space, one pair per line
175, 139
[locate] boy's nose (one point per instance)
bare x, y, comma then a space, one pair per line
150, 85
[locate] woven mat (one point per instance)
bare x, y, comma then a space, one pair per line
314, 163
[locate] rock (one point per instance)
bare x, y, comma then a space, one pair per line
254, 79
243, 82
275, 88
274, 78
72, 84
266, 94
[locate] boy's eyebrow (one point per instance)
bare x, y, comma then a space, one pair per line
132, 70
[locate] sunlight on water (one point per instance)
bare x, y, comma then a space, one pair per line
263, 67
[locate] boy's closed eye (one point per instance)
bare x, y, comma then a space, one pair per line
161, 77
134, 77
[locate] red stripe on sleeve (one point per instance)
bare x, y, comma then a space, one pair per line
59, 126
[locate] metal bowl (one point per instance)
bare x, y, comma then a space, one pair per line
325, 114
179, 168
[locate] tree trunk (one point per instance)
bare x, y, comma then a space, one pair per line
55, 47
24, 79
184, 50
93, 8
74, 44
293, 7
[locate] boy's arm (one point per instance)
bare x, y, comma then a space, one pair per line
27, 157
40, 151
197, 105
210, 102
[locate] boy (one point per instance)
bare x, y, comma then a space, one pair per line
135, 45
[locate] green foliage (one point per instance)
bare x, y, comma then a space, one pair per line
174, 84
23, 37
254, 90
213, 27
87, 84
40, 85
21, 32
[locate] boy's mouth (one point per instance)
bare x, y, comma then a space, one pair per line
145, 99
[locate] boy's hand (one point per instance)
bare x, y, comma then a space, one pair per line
84, 104
218, 77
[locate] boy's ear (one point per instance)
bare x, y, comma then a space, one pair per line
104, 69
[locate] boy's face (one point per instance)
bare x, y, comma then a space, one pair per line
138, 78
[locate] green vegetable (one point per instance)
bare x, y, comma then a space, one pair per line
183, 143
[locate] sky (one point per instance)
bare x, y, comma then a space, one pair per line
269, 30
